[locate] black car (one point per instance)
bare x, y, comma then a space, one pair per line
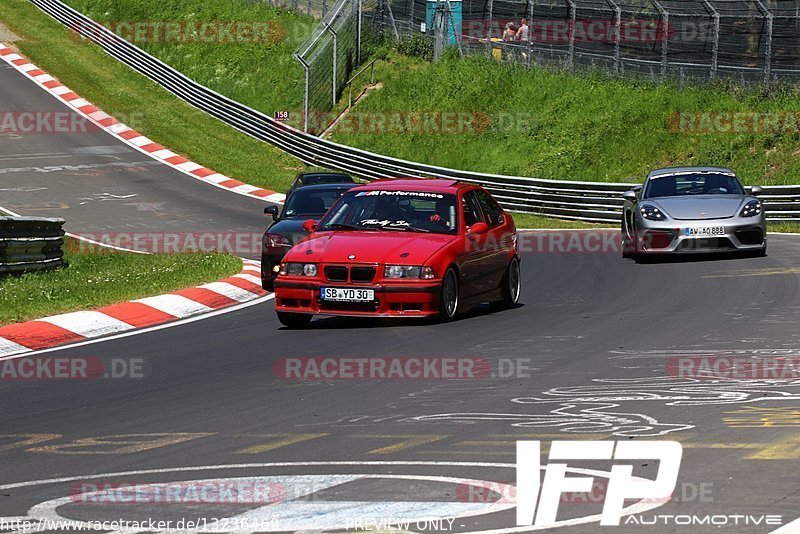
316, 176
303, 203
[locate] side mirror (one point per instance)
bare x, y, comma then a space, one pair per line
272, 210
310, 225
477, 229
630, 196
756, 190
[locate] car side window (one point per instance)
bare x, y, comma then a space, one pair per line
493, 211
472, 212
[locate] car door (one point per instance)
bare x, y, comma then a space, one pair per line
477, 255
499, 239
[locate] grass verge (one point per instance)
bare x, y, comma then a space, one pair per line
99, 277
145, 106
490, 117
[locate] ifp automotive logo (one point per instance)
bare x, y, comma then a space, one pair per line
621, 482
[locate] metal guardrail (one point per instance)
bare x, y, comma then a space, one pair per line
586, 201
30, 244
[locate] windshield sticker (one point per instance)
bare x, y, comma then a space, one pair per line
417, 194
384, 222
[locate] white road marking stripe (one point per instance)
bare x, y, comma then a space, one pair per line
277, 198
118, 128
7, 347
175, 305
249, 278
99, 116
13, 57
216, 178
154, 328
229, 290
140, 141
245, 188
61, 90
189, 166
43, 78
79, 103
88, 323
164, 154
27, 67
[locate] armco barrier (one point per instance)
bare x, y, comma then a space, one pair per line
30, 244
586, 201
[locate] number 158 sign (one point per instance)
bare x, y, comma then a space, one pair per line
621, 482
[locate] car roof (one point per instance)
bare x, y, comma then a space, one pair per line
674, 171
417, 184
319, 170
328, 187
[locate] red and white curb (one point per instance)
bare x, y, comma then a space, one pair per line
80, 326
129, 136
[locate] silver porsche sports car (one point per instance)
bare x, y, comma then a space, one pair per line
694, 210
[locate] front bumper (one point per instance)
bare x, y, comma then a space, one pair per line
419, 298
676, 236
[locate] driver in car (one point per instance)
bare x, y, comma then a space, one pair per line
442, 213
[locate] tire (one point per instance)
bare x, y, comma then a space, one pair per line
267, 283
448, 296
510, 287
294, 321
624, 242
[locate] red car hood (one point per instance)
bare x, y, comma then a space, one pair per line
403, 248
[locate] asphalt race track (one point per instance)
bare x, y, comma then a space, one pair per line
597, 333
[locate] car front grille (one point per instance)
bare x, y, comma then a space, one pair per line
362, 274
336, 273
706, 243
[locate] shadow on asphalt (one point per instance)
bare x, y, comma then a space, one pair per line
698, 258
351, 323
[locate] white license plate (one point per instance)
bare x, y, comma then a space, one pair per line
343, 294
705, 230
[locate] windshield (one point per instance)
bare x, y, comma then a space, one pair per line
693, 184
394, 210
311, 202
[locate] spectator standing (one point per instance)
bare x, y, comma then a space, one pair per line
509, 36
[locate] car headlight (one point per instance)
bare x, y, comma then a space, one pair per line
751, 209
652, 213
276, 241
299, 269
408, 271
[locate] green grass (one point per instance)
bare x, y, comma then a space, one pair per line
573, 127
529, 221
143, 105
100, 277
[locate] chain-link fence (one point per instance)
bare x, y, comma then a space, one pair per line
332, 52
748, 40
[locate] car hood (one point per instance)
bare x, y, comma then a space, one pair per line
699, 207
404, 248
290, 228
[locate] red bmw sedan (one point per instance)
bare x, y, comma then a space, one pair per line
402, 248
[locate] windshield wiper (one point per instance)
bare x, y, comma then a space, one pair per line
342, 226
404, 228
